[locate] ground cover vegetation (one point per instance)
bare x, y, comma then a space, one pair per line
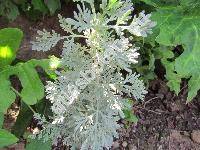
111, 50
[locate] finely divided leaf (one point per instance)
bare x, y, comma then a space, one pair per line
87, 100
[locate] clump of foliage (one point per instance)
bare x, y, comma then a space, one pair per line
100, 53
178, 24
33, 9
32, 88
88, 95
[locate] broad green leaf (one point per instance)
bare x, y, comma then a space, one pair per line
38, 145
7, 96
179, 28
168, 23
188, 63
193, 86
33, 89
31, 83
6, 138
10, 39
174, 80
53, 5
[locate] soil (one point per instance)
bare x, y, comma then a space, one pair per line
166, 122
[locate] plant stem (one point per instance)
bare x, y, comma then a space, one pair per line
24, 102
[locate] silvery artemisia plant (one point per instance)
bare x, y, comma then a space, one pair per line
87, 99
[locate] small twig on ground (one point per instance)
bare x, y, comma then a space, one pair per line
159, 113
148, 101
183, 88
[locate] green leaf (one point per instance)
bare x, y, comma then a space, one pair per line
39, 5
9, 9
112, 3
164, 53
53, 5
1, 119
193, 86
151, 2
191, 5
6, 138
188, 63
179, 28
44, 108
174, 80
38, 144
23, 120
7, 96
145, 65
10, 39
129, 116
160, 3
33, 89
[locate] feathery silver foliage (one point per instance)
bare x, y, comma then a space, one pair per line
87, 99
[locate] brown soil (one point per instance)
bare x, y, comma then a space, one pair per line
166, 122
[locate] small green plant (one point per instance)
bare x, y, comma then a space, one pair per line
178, 24
129, 116
32, 88
33, 9
87, 99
